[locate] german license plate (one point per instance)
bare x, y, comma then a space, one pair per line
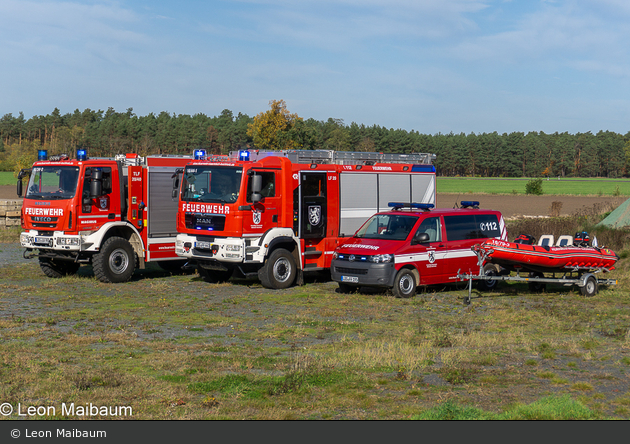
204, 245
349, 279
42, 240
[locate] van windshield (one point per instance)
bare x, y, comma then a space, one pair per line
387, 227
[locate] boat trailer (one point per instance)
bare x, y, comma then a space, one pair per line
585, 279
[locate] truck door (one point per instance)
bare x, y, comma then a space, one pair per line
97, 211
311, 206
264, 214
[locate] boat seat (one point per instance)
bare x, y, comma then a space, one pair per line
546, 240
564, 241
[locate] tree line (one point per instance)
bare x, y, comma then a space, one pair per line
106, 133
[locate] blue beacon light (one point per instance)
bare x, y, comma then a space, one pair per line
42, 154
200, 154
81, 154
243, 155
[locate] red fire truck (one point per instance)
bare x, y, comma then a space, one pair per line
278, 214
113, 213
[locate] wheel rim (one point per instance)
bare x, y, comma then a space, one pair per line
406, 284
118, 261
590, 286
282, 270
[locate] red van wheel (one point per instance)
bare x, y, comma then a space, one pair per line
404, 284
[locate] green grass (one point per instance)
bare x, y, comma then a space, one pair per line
553, 186
7, 178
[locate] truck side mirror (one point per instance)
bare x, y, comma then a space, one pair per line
96, 184
176, 183
23, 173
420, 238
256, 187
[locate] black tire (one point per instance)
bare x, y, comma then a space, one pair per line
214, 276
279, 270
590, 287
55, 268
404, 284
488, 270
536, 287
116, 261
347, 288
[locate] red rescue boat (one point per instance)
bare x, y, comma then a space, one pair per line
522, 256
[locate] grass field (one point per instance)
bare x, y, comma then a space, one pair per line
7, 178
175, 347
555, 186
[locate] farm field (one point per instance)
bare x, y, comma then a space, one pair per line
516, 186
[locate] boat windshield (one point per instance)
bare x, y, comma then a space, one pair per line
387, 227
52, 182
211, 184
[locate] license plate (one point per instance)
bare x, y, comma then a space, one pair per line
204, 245
42, 240
349, 279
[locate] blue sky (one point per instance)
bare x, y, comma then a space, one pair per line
432, 66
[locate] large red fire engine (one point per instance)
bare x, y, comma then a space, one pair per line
278, 214
113, 213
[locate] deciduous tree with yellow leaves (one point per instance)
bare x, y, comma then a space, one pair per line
272, 130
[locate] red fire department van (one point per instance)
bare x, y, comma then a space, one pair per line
278, 214
414, 244
113, 213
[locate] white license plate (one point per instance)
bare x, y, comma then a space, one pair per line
349, 279
42, 240
204, 245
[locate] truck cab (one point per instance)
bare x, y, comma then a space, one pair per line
415, 244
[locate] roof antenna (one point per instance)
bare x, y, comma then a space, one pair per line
456, 206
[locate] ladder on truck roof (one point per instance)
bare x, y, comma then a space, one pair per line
341, 157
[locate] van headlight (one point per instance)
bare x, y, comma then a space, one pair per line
381, 258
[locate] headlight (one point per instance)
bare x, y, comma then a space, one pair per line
68, 241
335, 255
232, 248
381, 258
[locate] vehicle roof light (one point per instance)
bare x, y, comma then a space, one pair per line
414, 205
200, 155
42, 154
243, 155
470, 203
81, 154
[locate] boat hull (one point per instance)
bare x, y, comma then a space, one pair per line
514, 256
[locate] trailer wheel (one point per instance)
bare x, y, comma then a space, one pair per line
115, 262
536, 287
488, 270
590, 287
279, 270
404, 284
214, 276
54, 268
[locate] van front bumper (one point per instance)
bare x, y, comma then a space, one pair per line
363, 274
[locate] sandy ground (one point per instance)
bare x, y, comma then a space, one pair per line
510, 205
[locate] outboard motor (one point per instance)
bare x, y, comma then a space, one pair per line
525, 239
581, 239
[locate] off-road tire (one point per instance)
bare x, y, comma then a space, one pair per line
116, 261
590, 287
404, 284
279, 270
488, 270
55, 268
214, 276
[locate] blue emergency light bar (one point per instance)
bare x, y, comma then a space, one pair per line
42, 154
470, 203
81, 154
243, 155
200, 155
423, 168
414, 205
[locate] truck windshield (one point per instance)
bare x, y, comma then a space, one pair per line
211, 184
52, 182
387, 227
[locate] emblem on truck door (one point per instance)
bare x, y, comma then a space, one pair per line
256, 217
315, 214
